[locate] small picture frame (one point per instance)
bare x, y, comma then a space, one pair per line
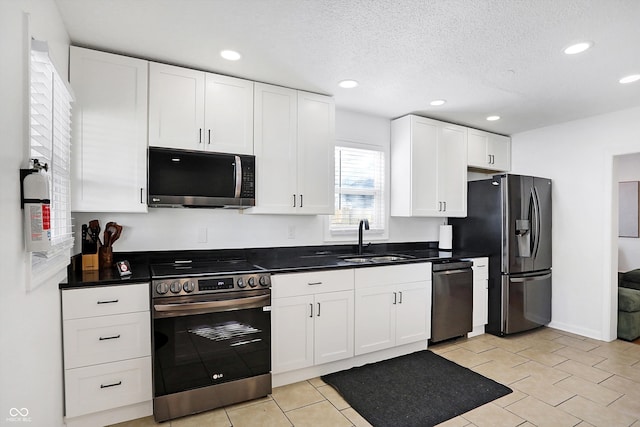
124, 268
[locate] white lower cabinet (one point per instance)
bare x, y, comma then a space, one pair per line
392, 306
312, 319
107, 354
480, 294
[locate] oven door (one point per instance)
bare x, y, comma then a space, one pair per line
202, 341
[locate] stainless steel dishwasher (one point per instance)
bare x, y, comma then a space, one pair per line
452, 300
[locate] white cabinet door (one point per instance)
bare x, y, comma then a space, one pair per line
228, 114
176, 107
477, 142
333, 329
292, 333
452, 170
499, 147
425, 200
480, 291
413, 320
316, 142
275, 128
375, 319
109, 156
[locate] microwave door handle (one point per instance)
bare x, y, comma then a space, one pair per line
238, 173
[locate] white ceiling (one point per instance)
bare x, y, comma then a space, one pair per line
483, 56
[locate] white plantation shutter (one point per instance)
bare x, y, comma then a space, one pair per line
50, 142
359, 191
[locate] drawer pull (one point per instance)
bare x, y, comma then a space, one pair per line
111, 385
109, 338
108, 302
314, 283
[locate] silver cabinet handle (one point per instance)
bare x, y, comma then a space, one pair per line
314, 283
200, 136
294, 200
400, 301
113, 301
110, 385
311, 306
318, 310
301, 200
395, 297
141, 190
209, 136
109, 338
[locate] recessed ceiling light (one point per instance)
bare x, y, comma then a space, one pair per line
630, 79
230, 55
578, 48
493, 118
438, 102
348, 84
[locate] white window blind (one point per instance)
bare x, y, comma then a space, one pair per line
359, 191
50, 142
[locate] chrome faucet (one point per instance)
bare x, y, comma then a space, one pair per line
364, 222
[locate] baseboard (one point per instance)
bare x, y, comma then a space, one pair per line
291, 377
112, 416
587, 333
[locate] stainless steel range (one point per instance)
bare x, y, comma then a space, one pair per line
212, 335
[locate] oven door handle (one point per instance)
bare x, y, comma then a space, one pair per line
182, 309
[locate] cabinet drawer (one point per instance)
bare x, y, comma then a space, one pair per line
294, 284
106, 339
392, 274
110, 385
105, 300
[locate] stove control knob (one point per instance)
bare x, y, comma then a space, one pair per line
176, 287
241, 283
265, 280
162, 288
189, 286
252, 282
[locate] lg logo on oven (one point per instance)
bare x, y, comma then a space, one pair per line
19, 415
218, 376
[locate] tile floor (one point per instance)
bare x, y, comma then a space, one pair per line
558, 379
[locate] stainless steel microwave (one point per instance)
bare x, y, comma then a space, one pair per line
200, 179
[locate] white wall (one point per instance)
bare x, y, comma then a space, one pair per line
30, 336
578, 157
628, 168
178, 229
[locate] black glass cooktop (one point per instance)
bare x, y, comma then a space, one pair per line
203, 268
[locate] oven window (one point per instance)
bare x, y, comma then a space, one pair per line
208, 349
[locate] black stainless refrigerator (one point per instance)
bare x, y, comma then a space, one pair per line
509, 219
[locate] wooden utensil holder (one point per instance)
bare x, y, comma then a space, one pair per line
105, 255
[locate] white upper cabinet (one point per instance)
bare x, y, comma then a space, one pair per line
109, 156
428, 168
294, 148
489, 151
194, 110
316, 153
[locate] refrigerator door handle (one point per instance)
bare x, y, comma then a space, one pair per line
536, 222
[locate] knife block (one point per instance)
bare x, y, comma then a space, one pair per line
90, 262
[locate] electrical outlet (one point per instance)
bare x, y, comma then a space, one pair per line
202, 235
291, 233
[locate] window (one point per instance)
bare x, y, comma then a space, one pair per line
50, 141
359, 191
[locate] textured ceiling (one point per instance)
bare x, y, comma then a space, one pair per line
483, 56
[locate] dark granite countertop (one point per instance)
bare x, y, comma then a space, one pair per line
274, 260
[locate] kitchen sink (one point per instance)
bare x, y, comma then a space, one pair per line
372, 259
